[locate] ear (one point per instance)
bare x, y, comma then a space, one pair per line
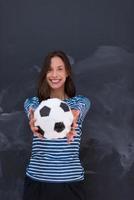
67, 74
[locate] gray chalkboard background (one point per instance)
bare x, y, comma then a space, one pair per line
98, 37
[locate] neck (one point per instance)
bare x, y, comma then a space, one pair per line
59, 95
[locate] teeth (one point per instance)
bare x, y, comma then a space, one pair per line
55, 81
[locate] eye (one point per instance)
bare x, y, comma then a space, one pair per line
60, 68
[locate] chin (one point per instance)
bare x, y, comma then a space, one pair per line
55, 87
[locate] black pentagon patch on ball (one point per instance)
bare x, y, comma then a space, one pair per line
44, 112
59, 126
64, 106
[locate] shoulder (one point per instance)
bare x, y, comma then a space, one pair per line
82, 99
34, 98
32, 101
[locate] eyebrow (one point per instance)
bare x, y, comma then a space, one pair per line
57, 66
60, 66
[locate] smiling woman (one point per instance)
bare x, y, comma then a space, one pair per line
56, 76
55, 171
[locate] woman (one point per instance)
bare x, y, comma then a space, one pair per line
55, 171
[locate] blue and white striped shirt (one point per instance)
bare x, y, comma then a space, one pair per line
56, 160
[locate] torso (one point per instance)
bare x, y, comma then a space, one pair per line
56, 160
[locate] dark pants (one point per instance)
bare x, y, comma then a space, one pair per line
36, 190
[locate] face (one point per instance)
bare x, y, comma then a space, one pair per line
56, 75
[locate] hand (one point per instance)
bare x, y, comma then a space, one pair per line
72, 133
34, 129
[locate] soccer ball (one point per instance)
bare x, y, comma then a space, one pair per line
54, 118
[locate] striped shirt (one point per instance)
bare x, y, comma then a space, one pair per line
56, 160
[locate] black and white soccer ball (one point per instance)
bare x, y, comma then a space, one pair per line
54, 118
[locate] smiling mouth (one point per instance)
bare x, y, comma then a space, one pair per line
55, 81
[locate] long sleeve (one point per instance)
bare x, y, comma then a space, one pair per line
83, 105
32, 102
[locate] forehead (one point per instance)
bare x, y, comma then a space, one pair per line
57, 61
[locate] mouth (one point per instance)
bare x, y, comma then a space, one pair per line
55, 81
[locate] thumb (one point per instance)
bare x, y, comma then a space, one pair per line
31, 115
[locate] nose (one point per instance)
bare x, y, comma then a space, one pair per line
54, 73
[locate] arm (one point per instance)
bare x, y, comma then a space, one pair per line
83, 105
79, 111
30, 103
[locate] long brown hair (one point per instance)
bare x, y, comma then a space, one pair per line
43, 89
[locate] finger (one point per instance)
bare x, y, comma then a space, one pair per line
31, 110
36, 129
70, 136
75, 112
70, 139
38, 135
73, 132
74, 126
76, 117
32, 122
36, 132
31, 113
